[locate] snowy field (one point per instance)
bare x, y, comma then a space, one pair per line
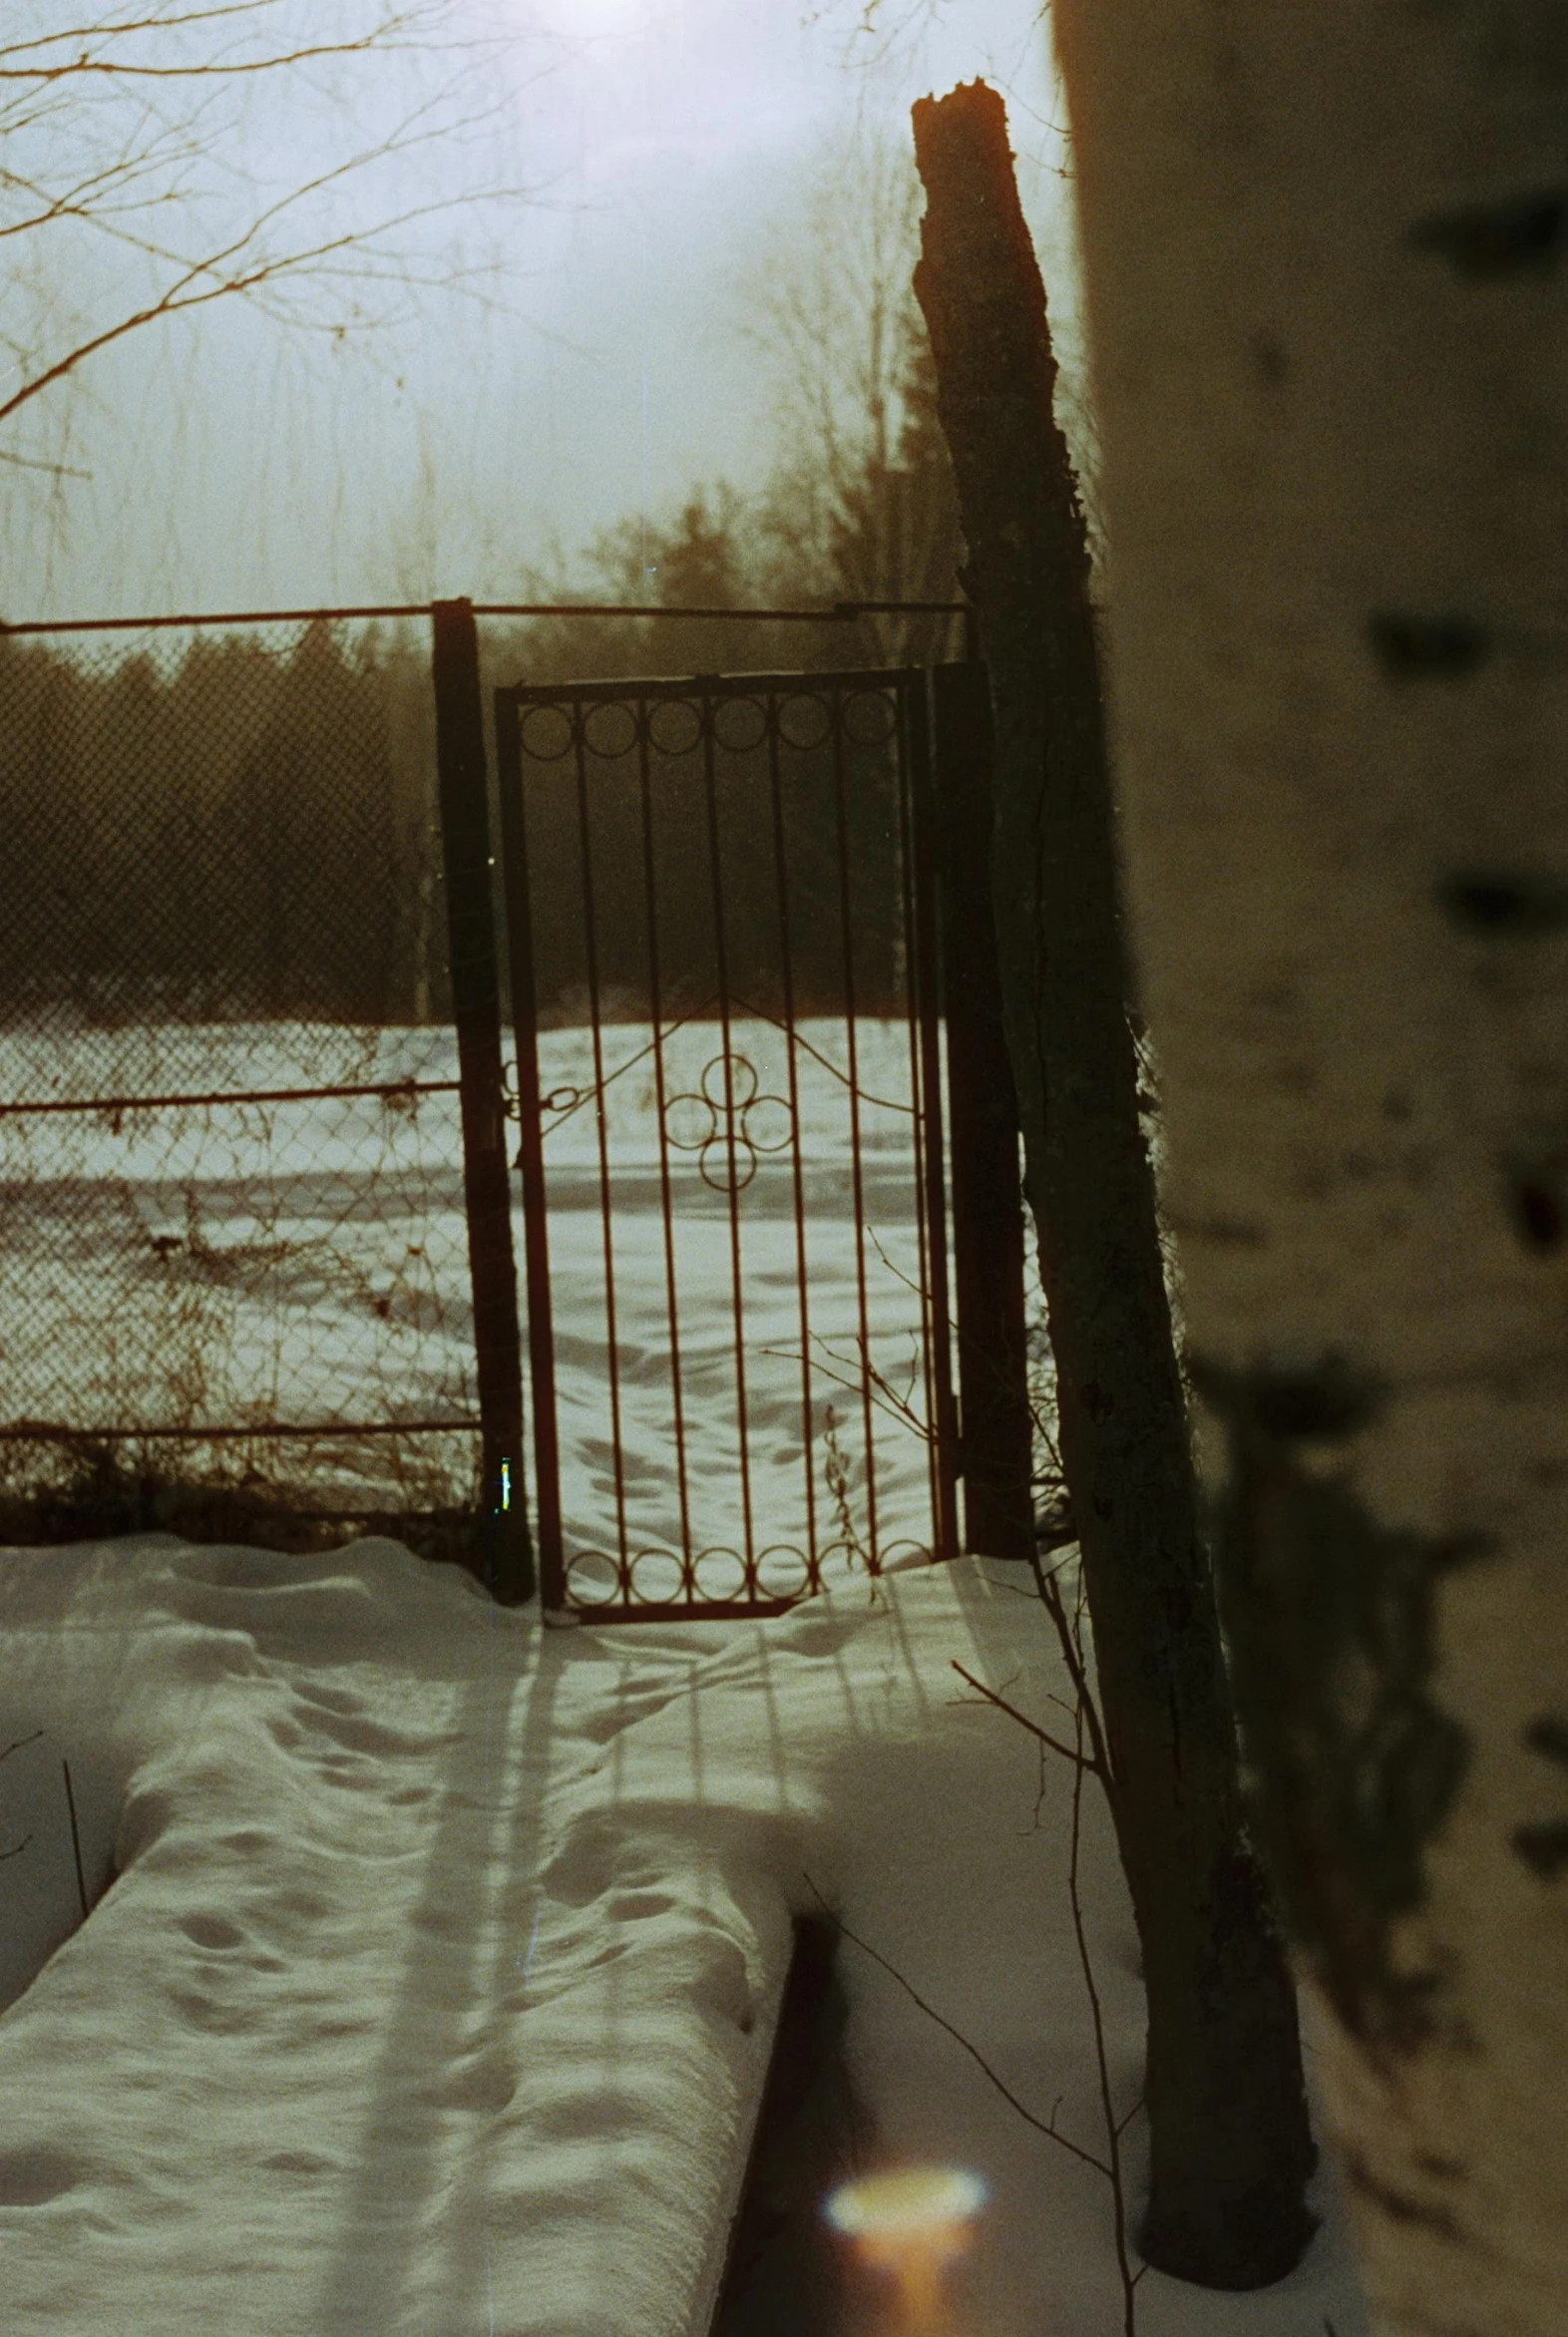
306, 1262
432, 1954
223, 1263
426, 1985
755, 1289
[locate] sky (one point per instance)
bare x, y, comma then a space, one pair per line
596, 367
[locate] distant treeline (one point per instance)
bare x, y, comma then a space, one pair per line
230, 830
243, 826
777, 880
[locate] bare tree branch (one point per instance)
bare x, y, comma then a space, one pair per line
1042, 2126
38, 463
165, 20
1114, 2124
120, 131
989, 1694
389, 31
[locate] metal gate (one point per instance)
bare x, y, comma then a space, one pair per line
721, 938
734, 1028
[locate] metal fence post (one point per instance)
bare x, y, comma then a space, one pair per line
925, 841
505, 1554
987, 1206
530, 1153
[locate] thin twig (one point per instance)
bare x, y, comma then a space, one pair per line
19, 1742
1024, 1721
1040, 2124
75, 1841
1113, 2127
836, 1466
894, 1408
1085, 1719
914, 1287
17, 1849
1072, 1655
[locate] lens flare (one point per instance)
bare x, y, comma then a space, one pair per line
912, 2224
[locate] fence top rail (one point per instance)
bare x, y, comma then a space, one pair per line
838, 612
226, 1096
798, 685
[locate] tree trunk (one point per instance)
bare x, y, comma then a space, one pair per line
1231, 2146
1324, 252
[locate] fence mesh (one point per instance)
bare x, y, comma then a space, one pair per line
234, 1282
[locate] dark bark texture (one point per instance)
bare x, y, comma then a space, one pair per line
1229, 2136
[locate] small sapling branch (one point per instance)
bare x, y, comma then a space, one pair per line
1114, 2124
16, 1746
75, 1841
989, 1694
1042, 2125
1095, 1763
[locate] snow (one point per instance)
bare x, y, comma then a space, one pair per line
434, 1952
308, 1262
760, 1309
427, 1984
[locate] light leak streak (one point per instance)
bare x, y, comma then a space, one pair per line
912, 2223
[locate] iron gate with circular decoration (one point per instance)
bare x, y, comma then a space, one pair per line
722, 959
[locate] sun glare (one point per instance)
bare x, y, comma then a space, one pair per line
593, 19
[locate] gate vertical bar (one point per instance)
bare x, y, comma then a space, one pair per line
916, 730
709, 707
987, 1207
531, 1152
665, 1195
857, 1159
505, 1557
606, 1213
913, 707
808, 1443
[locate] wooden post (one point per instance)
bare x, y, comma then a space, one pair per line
1230, 2146
982, 1131
506, 1558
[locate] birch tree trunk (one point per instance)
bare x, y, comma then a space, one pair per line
1325, 249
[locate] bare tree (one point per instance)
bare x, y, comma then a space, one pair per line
860, 506
832, 310
160, 155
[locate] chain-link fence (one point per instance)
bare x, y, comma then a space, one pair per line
257, 1201
234, 1270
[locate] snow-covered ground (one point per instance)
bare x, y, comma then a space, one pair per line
218, 1263
308, 1262
433, 1952
749, 1297
425, 1988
